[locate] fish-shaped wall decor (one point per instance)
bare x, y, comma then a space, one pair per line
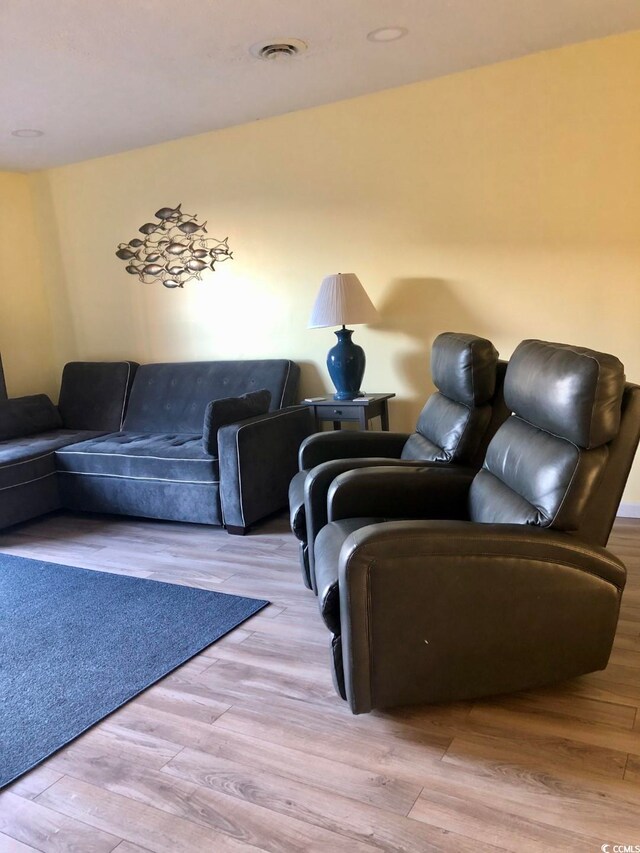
176, 236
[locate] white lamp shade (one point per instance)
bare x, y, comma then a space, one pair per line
342, 300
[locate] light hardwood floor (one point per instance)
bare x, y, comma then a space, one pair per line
247, 747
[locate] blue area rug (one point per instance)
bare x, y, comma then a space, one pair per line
77, 644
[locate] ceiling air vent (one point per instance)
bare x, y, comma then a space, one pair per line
276, 50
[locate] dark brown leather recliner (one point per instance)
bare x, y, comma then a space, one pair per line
454, 428
507, 585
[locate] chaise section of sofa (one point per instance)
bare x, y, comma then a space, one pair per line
160, 466
93, 398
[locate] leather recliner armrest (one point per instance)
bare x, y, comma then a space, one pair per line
407, 491
347, 444
319, 479
435, 610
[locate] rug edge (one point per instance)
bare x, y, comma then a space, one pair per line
260, 601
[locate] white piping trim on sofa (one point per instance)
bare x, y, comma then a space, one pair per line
125, 395
148, 479
26, 482
26, 461
135, 456
284, 387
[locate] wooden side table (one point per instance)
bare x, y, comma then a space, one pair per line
360, 409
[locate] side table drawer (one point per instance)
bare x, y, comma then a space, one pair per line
362, 410
338, 412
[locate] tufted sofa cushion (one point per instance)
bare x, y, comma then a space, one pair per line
31, 458
140, 456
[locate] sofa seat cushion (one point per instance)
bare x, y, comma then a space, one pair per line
140, 456
25, 460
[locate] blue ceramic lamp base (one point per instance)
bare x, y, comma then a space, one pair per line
346, 363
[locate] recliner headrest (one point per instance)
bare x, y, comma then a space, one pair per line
463, 367
569, 391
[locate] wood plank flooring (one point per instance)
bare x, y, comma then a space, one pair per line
247, 747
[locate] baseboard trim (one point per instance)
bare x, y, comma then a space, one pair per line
629, 510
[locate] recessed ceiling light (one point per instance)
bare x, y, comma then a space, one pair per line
27, 133
275, 49
387, 34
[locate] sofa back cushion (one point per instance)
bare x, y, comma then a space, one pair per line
24, 416
173, 397
94, 394
230, 410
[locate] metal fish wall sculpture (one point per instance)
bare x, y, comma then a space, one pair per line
175, 249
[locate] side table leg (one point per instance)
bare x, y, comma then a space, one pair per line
384, 416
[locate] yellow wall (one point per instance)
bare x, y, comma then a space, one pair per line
503, 201
25, 326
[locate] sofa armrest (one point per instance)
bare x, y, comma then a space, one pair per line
349, 444
408, 491
258, 458
436, 610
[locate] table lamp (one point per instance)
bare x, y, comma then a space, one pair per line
342, 299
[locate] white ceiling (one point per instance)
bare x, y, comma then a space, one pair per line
102, 76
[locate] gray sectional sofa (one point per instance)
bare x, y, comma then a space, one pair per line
207, 442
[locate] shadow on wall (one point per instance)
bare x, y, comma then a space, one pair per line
54, 274
312, 383
420, 308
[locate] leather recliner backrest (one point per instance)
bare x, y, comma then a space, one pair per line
546, 461
455, 419
600, 512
